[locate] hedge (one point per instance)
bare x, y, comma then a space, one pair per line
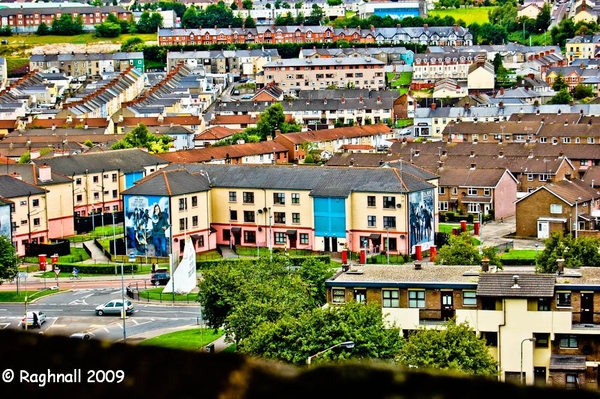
96, 269
295, 261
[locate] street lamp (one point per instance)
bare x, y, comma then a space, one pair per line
577, 216
345, 344
230, 233
123, 300
522, 342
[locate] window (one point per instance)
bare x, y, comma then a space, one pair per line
568, 341
96, 196
389, 222
115, 194
389, 202
194, 221
472, 191
371, 201
563, 299
295, 218
280, 238
200, 242
182, 204
279, 198
541, 340
529, 176
35, 202
233, 214
360, 295
416, 299
338, 295
391, 298
79, 197
183, 224
487, 192
194, 201
469, 298
441, 190
372, 221
295, 198
491, 337
304, 238
232, 196
249, 216
36, 221
454, 190
543, 304
571, 381
248, 197
443, 205
279, 217
114, 177
249, 236
555, 208
95, 179
473, 208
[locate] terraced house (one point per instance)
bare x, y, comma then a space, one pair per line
313, 208
541, 328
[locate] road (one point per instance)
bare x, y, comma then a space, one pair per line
73, 311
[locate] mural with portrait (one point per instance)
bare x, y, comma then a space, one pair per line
147, 225
5, 222
421, 219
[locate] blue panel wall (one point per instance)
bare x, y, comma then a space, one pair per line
330, 217
132, 177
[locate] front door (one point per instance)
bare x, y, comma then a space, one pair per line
360, 295
447, 305
334, 247
587, 307
539, 376
327, 247
543, 230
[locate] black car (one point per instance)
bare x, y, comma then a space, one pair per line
160, 279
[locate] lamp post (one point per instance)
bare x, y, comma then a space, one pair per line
577, 215
345, 344
230, 232
522, 342
123, 300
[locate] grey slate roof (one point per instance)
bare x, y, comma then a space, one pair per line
170, 182
321, 182
567, 362
11, 187
527, 285
128, 160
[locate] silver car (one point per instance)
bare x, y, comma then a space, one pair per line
114, 307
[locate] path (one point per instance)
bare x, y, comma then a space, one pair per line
97, 256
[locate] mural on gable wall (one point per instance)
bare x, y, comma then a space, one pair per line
5, 225
147, 225
421, 219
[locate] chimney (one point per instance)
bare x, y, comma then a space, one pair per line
16, 175
325, 100
501, 153
433, 106
473, 165
515, 282
566, 122
472, 153
343, 100
560, 263
530, 154
45, 172
485, 264
351, 162
277, 132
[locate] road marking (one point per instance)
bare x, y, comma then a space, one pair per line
4, 325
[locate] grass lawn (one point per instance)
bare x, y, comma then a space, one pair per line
193, 339
447, 228
519, 254
86, 38
468, 15
157, 294
15, 63
11, 296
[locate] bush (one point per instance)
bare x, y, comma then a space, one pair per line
450, 216
442, 218
470, 218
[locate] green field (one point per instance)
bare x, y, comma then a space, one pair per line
469, 15
11, 296
86, 38
193, 340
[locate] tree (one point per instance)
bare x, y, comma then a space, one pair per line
459, 251
559, 83
582, 91
562, 97
294, 339
190, 18
316, 15
141, 137
133, 44
8, 259
543, 19
149, 23
454, 347
315, 273
247, 4
271, 119
108, 29
43, 29
239, 296
66, 25
582, 251
249, 22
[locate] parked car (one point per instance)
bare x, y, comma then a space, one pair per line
41, 319
84, 336
160, 279
247, 97
114, 307
235, 92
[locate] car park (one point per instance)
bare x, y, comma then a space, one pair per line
160, 278
114, 306
31, 317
